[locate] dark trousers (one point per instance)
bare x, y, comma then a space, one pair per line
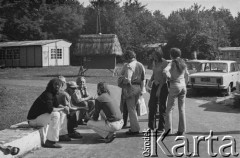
159, 101
125, 114
90, 105
72, 122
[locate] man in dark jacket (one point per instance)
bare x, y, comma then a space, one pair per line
44, 112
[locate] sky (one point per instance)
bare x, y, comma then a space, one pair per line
167, 6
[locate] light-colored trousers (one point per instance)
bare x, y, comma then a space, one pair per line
104, 128
176, 93
132, 112
53, 124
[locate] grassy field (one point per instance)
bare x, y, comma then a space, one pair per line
46, 73
15, 102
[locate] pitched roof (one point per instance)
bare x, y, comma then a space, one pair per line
28, 43
98, 44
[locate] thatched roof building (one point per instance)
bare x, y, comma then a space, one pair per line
98, 44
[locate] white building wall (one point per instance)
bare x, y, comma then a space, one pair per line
64, 46
45, 56
66, 56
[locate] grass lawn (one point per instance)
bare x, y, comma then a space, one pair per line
15, 101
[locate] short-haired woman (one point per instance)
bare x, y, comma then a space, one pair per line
113, 118
177, 73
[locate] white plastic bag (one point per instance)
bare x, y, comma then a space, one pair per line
141, 106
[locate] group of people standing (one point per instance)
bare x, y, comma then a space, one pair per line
168, 84
64, 105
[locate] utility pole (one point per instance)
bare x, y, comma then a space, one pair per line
97, 4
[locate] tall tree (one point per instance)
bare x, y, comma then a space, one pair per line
22, 20
197, 30
235, 32
64, 21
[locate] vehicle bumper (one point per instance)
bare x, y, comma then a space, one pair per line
207, 86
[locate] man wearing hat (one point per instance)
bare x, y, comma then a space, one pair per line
78, 100
64, 99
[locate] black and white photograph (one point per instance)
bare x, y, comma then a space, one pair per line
119, 78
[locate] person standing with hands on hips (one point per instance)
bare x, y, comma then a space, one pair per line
177, 73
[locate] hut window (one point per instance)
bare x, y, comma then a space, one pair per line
56, 53
53, 53
232, 55
16, 53
9, 54
2, 54
59, 53
238, 54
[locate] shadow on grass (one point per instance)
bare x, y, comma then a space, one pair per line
220, 107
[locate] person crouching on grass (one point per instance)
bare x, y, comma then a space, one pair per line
44, 112
112, 118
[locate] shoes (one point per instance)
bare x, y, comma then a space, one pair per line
110, 138
75, 135
12, 150
51, 144
179, 133
81, 122
132, 133
64, 138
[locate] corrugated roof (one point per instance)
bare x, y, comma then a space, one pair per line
28, 43
228, 48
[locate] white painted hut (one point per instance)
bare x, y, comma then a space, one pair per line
35, 53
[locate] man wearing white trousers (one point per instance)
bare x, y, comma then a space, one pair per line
44, 113
111, 118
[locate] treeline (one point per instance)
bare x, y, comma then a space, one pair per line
193, 29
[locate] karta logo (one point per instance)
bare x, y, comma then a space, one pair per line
152, 142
